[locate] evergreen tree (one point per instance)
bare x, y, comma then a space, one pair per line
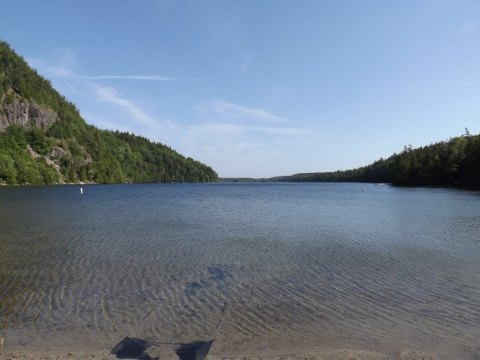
80, 151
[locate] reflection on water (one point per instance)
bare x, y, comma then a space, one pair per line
252, 266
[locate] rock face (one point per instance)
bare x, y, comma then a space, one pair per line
33, 113
25, 114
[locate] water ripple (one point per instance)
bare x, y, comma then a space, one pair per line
253, 266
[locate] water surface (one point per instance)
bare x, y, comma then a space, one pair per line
255, 267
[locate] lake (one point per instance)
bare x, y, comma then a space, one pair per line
252, 266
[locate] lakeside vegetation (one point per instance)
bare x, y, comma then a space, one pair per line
67, 149
452, 163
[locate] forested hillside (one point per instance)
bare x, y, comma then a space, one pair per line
453, 163
44, 140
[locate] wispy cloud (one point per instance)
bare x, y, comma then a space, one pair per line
104, 122
128, 77
223, 134
224, 110
233, 137
224, 130
282, 130
470, 26
451, 82
227, 36
245, 62
110, 95
137, 77
227, 123
65, 60
66, 77
220, 130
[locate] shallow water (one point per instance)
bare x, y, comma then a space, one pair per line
255, 267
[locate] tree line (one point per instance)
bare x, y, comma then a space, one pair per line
72, 151
452, 163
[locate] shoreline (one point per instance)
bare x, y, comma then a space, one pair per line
338, 354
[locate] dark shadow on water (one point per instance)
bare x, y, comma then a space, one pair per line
220, 276
132, 348
219, 273
192, 288
197, 350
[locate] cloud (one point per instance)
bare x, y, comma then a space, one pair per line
451, 82
128, 77
245, 62
137, 77
224, 110
127, 111
65, 62
111, 95
227, 37
104, 122
282, 130
469, 26
222, 24
220, 130
232, 138
249, 120
108, 94
227, 130
60, 63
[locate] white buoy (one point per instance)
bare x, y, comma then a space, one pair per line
81, 190
364, 189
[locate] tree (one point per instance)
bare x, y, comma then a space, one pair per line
8, 173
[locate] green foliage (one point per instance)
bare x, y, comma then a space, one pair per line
8, 173
48, 174
452, 163
17, 166
81, 152
39, 141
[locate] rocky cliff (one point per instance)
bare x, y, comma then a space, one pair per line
43, 139
25, 114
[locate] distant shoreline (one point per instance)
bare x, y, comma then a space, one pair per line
247, 181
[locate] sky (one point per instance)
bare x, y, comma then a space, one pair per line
262, 88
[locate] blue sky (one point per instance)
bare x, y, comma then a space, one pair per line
262, 88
